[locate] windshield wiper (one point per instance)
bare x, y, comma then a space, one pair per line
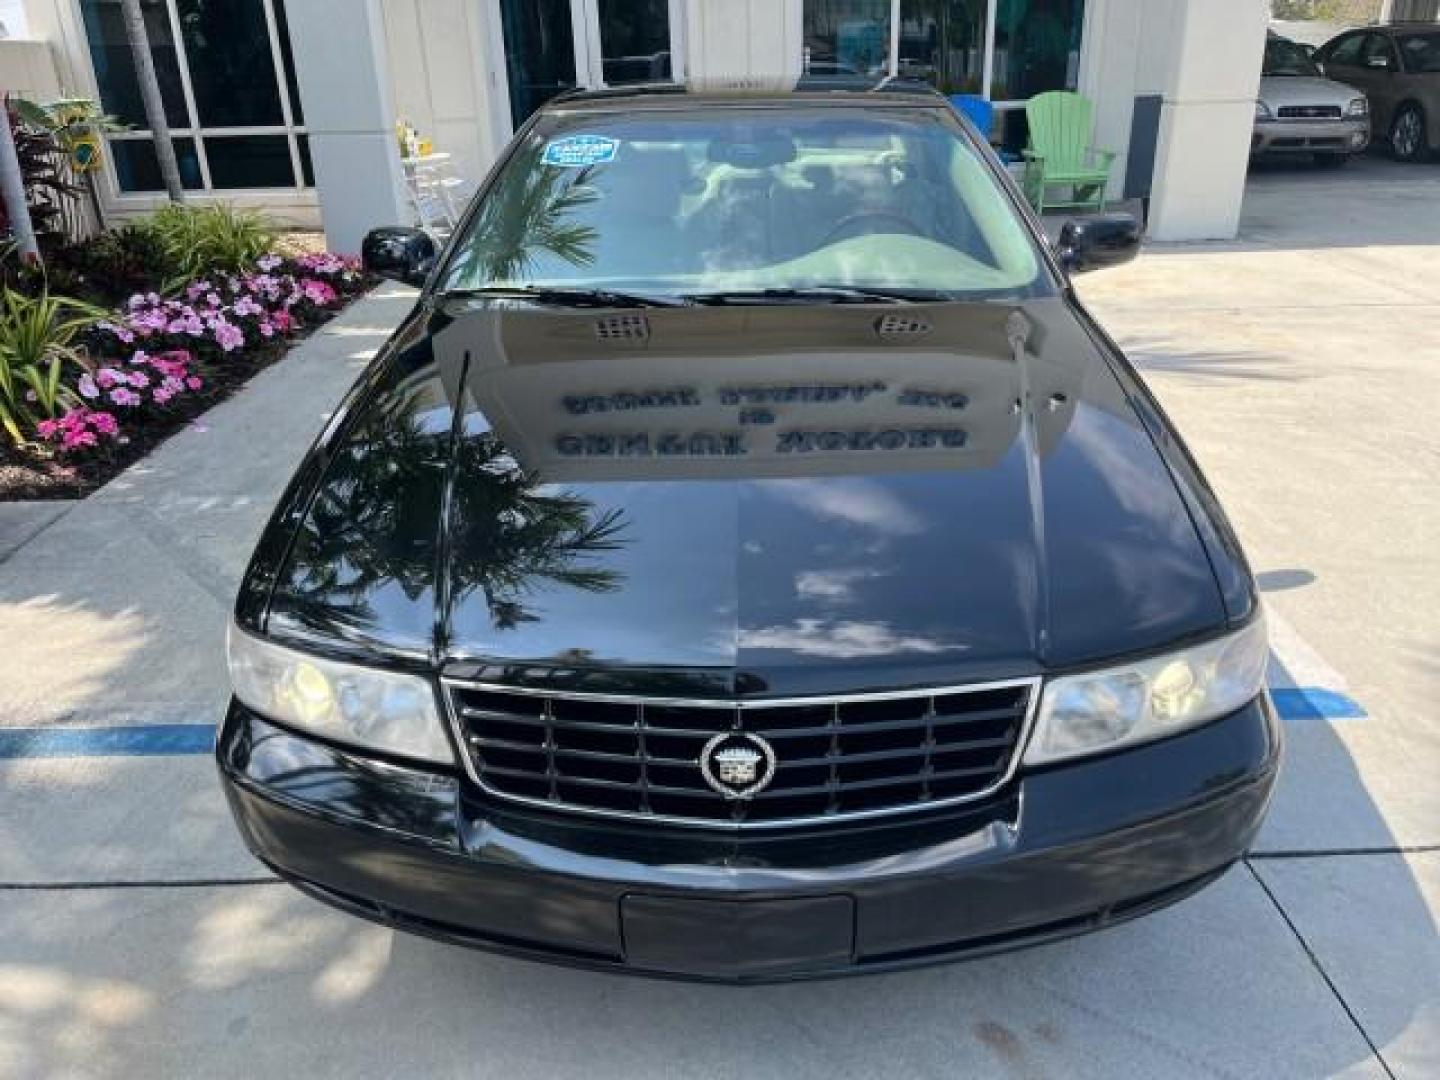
562, 296
832, 294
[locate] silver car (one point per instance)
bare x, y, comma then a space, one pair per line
1302, 112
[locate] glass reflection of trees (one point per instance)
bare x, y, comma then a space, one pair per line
529, 214
508, 536
374, 522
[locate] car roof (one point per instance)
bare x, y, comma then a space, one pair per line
1403, 27
808, 90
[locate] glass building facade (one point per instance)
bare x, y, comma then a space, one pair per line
227, 78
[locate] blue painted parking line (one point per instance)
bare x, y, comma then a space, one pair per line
1314, 703
140, 740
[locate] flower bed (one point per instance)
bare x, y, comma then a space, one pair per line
135, 377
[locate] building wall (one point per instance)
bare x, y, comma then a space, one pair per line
438, 76
28, 68
744, 38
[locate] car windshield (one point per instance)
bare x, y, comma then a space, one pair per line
1284, 57
1421, 52
749, 200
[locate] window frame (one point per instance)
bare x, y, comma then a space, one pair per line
987, 61
299, 192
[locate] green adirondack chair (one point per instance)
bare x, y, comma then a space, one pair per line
1060, 155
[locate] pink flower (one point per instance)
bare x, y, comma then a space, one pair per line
268, 263
139, 380
161, 395
284, 321
317, 292
122, 396
108, 377
228, 336
87, 386
79, 427
194, 382
246, 306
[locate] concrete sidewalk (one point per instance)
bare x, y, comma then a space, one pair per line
137, 937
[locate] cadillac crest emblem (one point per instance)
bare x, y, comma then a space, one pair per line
737, 764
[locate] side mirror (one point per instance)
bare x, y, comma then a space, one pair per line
1094, 243
399, 254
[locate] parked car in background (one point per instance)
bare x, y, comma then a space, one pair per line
1398, 68
1300, 111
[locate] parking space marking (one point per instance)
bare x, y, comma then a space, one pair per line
1303, 685
137, 740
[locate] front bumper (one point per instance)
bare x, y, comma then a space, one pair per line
1310, 136
1069, 849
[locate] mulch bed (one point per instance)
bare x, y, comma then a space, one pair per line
46, 475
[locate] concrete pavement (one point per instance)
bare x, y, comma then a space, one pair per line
137, 937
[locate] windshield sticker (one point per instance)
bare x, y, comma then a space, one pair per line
580, 151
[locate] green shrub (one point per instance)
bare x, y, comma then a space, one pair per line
37, 344
201, 241
106, 269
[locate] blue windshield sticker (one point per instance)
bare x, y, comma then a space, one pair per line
580, 151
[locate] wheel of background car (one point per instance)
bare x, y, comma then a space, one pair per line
838, 232
1407, 134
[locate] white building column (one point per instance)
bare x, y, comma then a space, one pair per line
1206, 62
342, 64
743, 39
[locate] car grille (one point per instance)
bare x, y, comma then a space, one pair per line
1310, 112
834, 758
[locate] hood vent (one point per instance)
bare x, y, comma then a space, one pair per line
620, 329
897, 327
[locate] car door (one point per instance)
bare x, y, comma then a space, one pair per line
1381, 65
1341, 61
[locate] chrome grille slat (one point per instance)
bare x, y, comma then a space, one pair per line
865, 785
891, 755
837, 758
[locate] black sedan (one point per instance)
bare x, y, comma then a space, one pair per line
748, 560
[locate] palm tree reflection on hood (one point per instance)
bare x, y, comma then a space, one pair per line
373, 524
507, 537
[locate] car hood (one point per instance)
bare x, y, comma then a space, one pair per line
795, 498
1277, 91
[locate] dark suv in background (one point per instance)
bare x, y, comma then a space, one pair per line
1398, 68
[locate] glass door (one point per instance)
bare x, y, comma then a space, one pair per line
539, 53
556, 45
629, 41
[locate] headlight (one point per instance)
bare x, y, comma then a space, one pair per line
1149, 699
380, 710
1358, 108
1262, 111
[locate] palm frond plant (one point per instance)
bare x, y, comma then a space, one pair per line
38, 348
203, 241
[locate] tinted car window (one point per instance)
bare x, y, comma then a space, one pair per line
1421, 52
1377, 46
1345, 51
1284, 57
740, 199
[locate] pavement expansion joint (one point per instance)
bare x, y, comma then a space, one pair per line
1320, 969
